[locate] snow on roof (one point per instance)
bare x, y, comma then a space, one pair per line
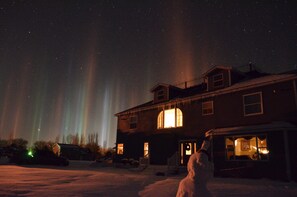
252, 83
264, 80
274, 126
163, 85
217, 67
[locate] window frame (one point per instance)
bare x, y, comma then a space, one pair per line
161, 95
133, 122
203, 108
244, 104
232, 148
178, 118
120, 146
214, 81
146, 149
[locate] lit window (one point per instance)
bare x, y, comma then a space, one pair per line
170, 118
120, 149
146, 150
218, 80
161, 120
247, 148
133, 122
188, 148
253, 104
207, 108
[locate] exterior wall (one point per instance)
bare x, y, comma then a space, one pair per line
278, 105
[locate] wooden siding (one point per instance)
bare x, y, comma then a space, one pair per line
278, 105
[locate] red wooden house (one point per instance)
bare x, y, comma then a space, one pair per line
250, 116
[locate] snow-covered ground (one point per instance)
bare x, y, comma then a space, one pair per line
86, 180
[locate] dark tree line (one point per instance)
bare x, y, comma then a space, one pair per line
19, 145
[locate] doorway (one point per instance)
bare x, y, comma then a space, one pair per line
186, 149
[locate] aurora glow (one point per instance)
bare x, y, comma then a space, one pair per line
67, 67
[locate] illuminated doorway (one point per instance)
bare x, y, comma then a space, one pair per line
186, 149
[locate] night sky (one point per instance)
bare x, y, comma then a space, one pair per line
67, 67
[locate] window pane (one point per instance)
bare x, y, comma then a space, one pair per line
188, 148
218, 80
218, 77
179, 118
169, 118
218, 83
251, 109
229, 148
161, 94
252, 104
250, 99
133, 122
160, 120
120, 149
207, 107
146, 149
246, 148
262, 148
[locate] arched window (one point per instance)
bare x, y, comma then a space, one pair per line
170, 118
161, 120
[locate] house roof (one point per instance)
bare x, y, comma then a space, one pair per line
217, 67
144, 105
197, 92
260, 81
163, 85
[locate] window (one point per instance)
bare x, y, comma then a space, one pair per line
218, 80
252, 104
120, 149
247, 147
207, 108
161, 95
133, 122
188, 148
170, 118
146, 150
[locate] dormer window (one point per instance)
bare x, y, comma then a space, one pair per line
218, 77
165, 92
161, 95
218, 80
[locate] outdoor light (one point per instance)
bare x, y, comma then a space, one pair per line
30, 153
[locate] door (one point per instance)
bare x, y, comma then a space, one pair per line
186, 149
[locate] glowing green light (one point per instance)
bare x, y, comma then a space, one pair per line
30, 153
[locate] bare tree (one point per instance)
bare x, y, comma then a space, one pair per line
75, 139
82, 140
57, 140
63, 139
